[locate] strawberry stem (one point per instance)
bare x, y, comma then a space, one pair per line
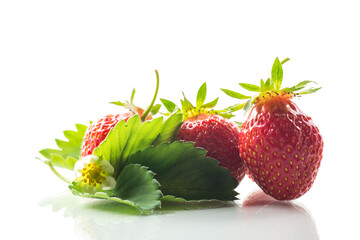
57, 173
143, 117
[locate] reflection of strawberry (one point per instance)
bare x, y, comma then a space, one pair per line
210, 129
280, 145
97, 131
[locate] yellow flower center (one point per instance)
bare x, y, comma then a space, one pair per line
93, 174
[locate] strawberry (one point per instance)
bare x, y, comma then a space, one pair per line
280, 145
210, 129
97, 131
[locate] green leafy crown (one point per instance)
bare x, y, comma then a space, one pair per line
272, 85
190, 111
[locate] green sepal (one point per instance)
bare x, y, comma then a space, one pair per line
69, 151
135, 187
272, 84
234, 94
155, 109
285, 60
210, 104
310, 90
277, 74
186, 104
250, 87
184, 171
201, 95
169, 105
122, 104
169, 129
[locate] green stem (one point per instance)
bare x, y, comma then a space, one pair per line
143, 117
57, 173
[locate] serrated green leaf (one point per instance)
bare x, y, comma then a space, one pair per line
234, 94
250, 87
127, 138
201, 95
210, 104
137, 184
69, 151
135, 187
277, 74
169, 105
183, 171
169, 129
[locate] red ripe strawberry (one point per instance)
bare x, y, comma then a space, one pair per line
280, 145
209, 129
97, 131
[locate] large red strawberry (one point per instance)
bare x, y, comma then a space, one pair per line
97, 131
210, 129
280, 145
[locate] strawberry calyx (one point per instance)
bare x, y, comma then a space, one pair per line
201, 110
150, 110
271, 88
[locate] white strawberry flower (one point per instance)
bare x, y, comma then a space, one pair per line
94, 174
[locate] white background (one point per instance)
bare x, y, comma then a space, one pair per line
61, 62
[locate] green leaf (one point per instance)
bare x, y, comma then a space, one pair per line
250, 87
210, 104
201, 95
135, 187
137, 184
69, 151
169, 105
234, 94
127, 138
183, 171
169, 129
277, 74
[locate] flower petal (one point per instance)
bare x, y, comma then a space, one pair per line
109, 183
107, 167
78, 168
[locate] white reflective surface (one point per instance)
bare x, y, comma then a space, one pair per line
259, 217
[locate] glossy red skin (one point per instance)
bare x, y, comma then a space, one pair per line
219, 137
282, 148
97, 131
